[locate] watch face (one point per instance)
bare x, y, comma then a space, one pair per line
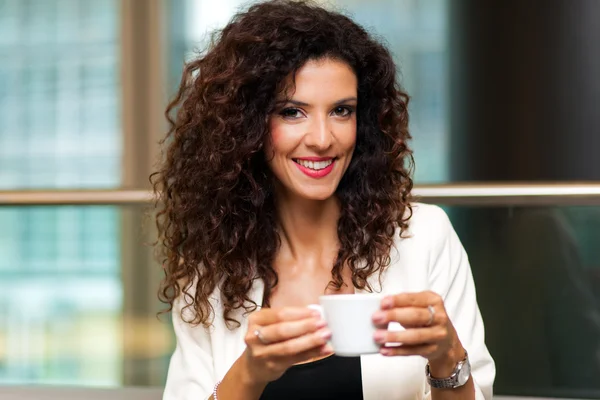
464, 374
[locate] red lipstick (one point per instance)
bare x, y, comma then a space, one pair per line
315, 173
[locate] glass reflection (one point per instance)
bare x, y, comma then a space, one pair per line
60, 286
537, 273
59, 94
77, 299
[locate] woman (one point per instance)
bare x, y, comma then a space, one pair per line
288, 176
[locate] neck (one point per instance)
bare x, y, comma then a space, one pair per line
308, 228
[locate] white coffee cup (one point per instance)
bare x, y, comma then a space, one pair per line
349, 318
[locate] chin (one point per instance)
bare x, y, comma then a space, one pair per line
317, 195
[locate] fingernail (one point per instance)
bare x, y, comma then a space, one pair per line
378, 317
327, 349
387, 303
321, 323
316, 314
326, 334
379, 337
385, 352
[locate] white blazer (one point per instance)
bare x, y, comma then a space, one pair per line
430, 258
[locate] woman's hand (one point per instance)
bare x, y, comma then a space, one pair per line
279, 338
428, 330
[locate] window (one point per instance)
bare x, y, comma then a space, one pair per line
60, 279
537, 273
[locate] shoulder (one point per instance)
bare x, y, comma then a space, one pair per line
428, 226
429, 245
419, 252
427, 215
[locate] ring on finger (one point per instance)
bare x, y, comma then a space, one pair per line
260, 337
431, 315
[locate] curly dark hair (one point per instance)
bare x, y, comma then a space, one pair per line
216, 219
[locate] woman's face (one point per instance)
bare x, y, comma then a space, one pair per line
313, 130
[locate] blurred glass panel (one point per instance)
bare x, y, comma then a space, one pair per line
61, 295
537, 272
415, 31
77, 306
59, 94
60, 273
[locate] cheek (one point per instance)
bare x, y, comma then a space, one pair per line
348, 138
281, 139
276, 138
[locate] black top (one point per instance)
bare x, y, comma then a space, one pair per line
332, 377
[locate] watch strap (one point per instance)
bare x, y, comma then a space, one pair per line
443, 383
450, 382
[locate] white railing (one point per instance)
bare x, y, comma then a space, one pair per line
452, 194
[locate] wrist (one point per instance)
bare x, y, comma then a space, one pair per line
246, 377
239, 383
444, 366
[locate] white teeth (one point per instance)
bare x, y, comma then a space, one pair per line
316, 165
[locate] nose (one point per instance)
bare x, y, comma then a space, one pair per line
320, 135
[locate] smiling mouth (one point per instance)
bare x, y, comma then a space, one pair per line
314, 165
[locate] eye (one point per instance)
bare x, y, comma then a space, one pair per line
291, 113
343, 111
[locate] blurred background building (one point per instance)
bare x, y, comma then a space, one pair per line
505, 101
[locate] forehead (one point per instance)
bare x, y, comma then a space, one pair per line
326, 78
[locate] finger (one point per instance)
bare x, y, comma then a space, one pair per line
283, 331
298, 345
268, 316
419, 350
310, 355
412, 337
306, 356
420, 299
410, 317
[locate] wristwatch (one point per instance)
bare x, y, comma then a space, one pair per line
459, 376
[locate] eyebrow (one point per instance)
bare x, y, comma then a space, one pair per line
303, 104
